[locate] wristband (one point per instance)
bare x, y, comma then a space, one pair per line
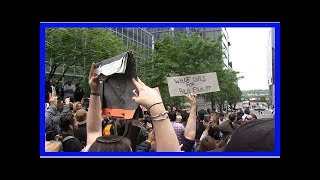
95, 94
154, 104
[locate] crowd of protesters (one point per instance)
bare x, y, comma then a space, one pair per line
75, 124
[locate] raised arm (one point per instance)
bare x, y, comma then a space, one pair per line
94, 125
165, 135
190, 130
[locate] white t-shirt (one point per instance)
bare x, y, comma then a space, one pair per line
86, 148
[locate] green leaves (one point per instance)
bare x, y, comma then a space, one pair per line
80, 47
182, 55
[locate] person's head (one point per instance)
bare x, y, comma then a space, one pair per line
81, 116
246, 111
178, 118
201, 114
251, 116
207, 144
111, 143
185, 116
71, 106
221, 116
68, 123
172, 115
69, 82
85, 102
78, 85
53, 82
253, 136
60, 105
232, 117
212, 112
214, 132
178, 112
77, 106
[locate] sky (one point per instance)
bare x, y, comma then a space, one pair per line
248, 54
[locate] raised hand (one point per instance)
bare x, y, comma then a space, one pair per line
67, 100
191, 98
53, 100
145, 95
93, 80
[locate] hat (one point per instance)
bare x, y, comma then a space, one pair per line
81, 116
254, 135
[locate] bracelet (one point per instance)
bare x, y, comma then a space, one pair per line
159, 115
163, 118
153, 105
95, 94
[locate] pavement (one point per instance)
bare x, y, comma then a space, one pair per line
265, 114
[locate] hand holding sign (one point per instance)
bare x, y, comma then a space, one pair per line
192, 99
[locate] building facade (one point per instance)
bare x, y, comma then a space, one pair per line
137, 38
271, 65
211, 33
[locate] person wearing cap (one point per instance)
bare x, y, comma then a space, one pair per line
81, 132
253, 136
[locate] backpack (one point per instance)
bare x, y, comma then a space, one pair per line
62, 140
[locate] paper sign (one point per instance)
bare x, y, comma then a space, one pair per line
198, 83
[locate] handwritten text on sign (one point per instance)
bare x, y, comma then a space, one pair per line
199, 84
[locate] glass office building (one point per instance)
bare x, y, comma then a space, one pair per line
135, 38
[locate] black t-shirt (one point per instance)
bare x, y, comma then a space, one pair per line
81, 134
71, 145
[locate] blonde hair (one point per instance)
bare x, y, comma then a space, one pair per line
75, 106
53, 146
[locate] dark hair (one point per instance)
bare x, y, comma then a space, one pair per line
111, 143
184, 115
247, 111
232, 117
201, 113
214, 132
138, 113
65, 121
253, 115
255, 135
172, 115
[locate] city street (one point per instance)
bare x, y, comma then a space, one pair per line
265, 114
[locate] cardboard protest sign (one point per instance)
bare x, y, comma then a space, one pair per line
116, 86
198, 83
145, 109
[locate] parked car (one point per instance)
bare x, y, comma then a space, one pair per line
259, 108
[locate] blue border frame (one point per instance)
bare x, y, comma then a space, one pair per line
276, 153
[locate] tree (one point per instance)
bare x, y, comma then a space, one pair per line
180, 55
262, 99
229, 90
71, 47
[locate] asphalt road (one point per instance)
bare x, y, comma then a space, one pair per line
265, 114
